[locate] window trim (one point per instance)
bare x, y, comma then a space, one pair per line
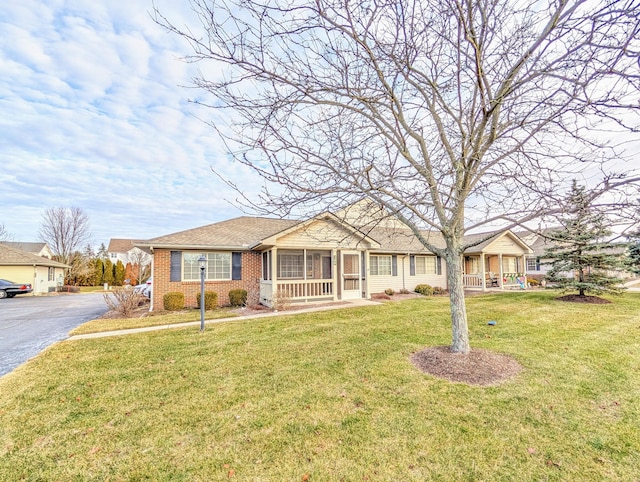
375, 271
208, 269
300, 265
422, 270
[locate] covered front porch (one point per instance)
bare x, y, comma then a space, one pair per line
310, 274
497, 271
496, 263
321, 259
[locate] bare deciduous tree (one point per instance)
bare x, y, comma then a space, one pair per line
141, 265
65, 230
4, 234
452, 114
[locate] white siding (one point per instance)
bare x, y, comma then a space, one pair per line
369, 214
404, 280
321, 235
505, 245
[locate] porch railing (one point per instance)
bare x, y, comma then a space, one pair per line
306, 289
511, 280
471, 281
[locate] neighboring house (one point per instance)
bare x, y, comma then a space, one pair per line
125, 250
42, 273
39, 249
535, 267
327, 257
539, 243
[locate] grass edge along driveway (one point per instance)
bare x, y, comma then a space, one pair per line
332, 396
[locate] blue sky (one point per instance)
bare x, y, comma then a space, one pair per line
94, 114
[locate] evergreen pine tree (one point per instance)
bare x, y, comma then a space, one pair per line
88, 252
633, 253
118, 273
581, 257
102, 251
99, 272
108, 277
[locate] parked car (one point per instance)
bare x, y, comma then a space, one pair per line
8, 289
144, 288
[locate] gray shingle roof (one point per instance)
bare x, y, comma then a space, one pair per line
396, 240
28, 247
117, 245
238, 233
245, 231
16, 257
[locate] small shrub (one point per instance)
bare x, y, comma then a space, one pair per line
210, 300
253, 296
437, 290
389, 292
404, 291
532, 282
425, 289
124, 301
173, 301
281, 300
238, 297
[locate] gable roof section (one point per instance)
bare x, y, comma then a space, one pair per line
328, 217
238, 233
28, 247
16, 257
118, 245
484, 240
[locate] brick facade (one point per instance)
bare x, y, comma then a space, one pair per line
251, 273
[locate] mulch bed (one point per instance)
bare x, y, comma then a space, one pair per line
596, 300
478, 367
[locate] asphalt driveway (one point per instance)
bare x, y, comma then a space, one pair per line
29, 324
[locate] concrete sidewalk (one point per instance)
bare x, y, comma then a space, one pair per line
311, 309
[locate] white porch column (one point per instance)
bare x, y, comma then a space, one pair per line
501, 278
334, 273
524, 270
274, 271
365, 269
482, 273
304, 274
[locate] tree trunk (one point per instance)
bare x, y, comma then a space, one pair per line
459, 327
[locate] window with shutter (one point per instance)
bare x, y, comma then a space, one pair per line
175, 273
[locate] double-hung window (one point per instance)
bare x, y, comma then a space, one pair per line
426, 265
218, 266
380, 265
291, 265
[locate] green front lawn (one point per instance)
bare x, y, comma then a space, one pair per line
332, 396
150, 319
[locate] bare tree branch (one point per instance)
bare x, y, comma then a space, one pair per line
452, 114
65, 230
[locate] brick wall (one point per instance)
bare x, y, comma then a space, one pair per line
251, 272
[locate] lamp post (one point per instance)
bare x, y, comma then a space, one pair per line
202, 261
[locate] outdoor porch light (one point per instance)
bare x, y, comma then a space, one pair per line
202, 262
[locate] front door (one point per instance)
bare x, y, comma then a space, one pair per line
351, 277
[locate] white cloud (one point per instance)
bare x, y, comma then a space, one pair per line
94, 116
